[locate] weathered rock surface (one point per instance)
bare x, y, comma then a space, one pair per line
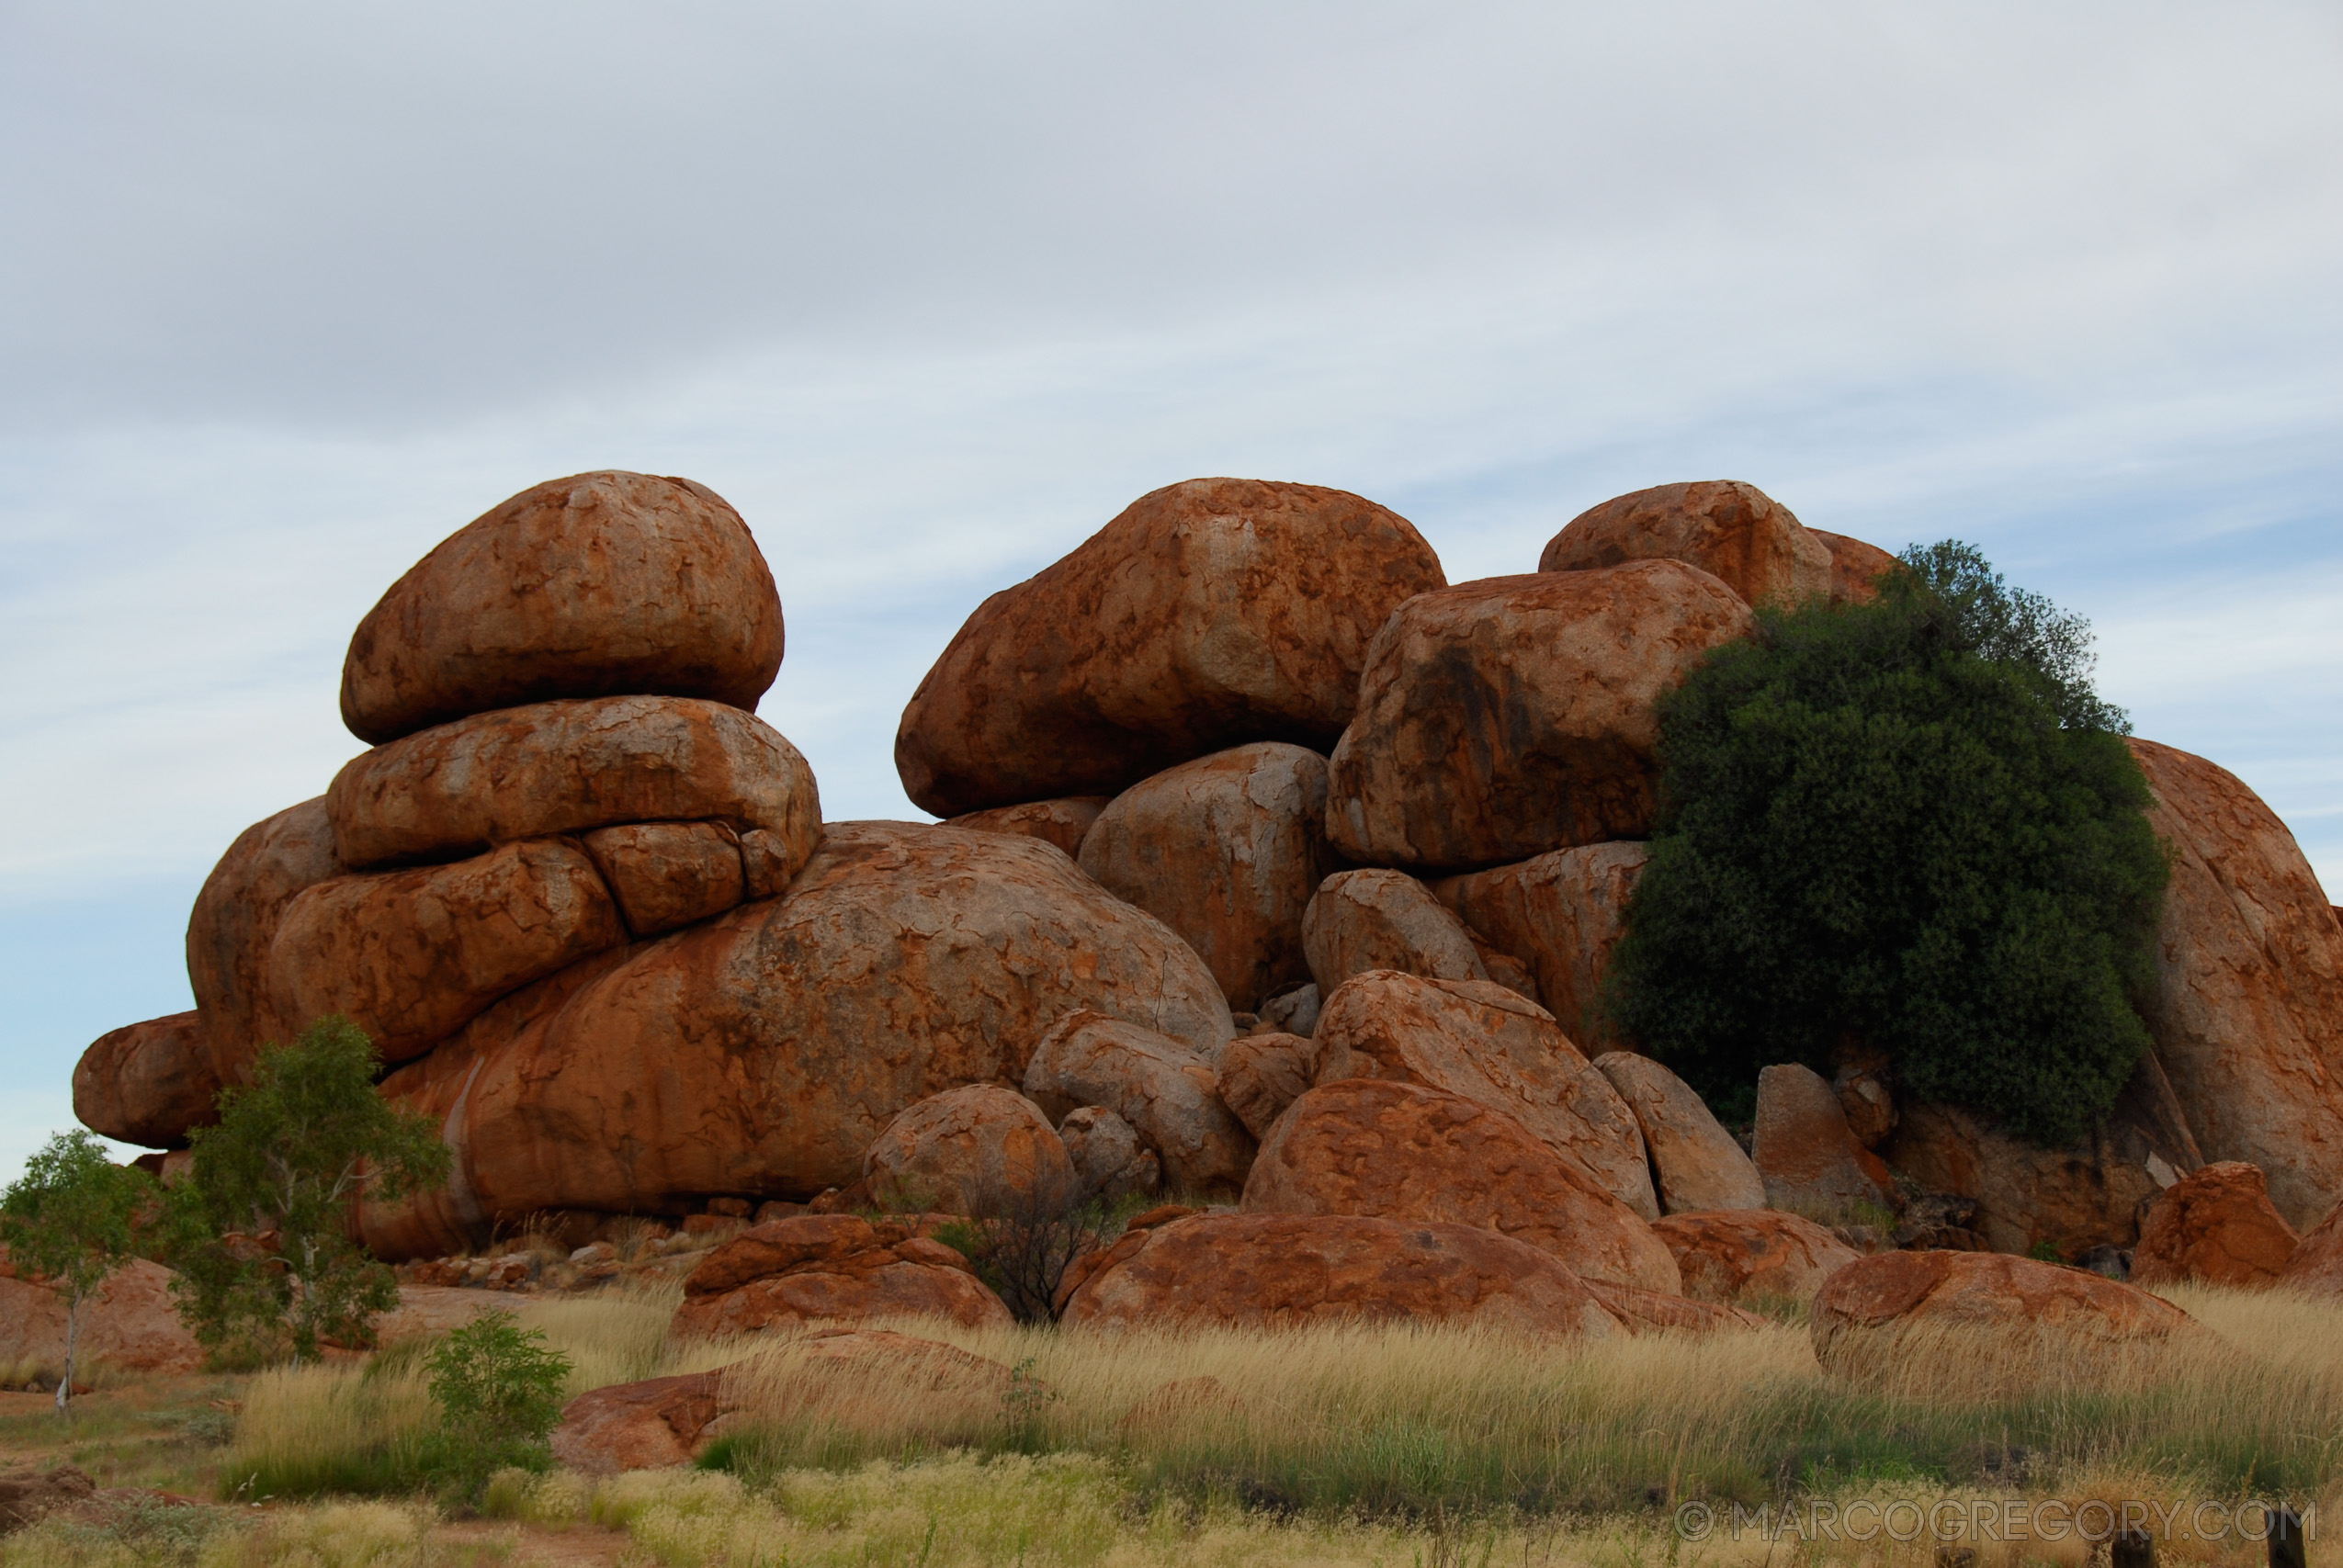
566, 767
1208, 614
1854, 567
2004, 1310
2215, 1226
234, 924
410, 956
973, 1150
148, 1083
1698, 1166
1107, 1156
650, 1425
1407, 1152
666, 875
1227, 851
757, 1055
1166, 1091
830, 1267
132, 1322
1479, 1040
1655, 1311
1063, 822
26, 1493
2316, 1266
1734, 532
1293, 1010
1803, 1149
1291, 1271
1747, 1257
2249, 1011
1503, 718
600, 584
1561, 914
1359, 920
1864, 1095
1261, 1075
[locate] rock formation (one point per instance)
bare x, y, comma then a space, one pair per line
977, 1149
1108, 1159
2215, 1226
1167, 1093
1359, 920
1064, 823
1734, 532
1855, 568
1803, 1149
1752, 1257
832, 1267
1696, 1166
148, 1083
131, 1323
1561, 914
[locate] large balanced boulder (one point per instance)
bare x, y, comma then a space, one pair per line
1359, 920
1065, 822
1210, 614
1169, 1093
1294, 1270
410, 956
131, 1323
1734, 532
2215, 1226
758, 1055
1696, 1165
1752, 1257
234, 924
1560, 913
148, 1083
1503, 718
1984, 1323
596, 585
1489, 1045
2247, 1012
830, 1268
1227, 851
977, 1149
1803, 1150
566, 767
1405, 1152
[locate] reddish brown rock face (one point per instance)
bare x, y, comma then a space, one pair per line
1261, 1075
1655, 1311
597, 585
652, 1425
1855, 568
148, 1083
1290, 1271
1064, 823
2004, 1310
1210, 614
1108, 1158
1405, 1152
1167, 1092
2317, 1264
531, 772
1479, 1040
1360, 920
834, 1268
666, 875
1803, 1150
132, 1322
2248, 1009
1226, 851
1734, 532
1561, 914
410, 956
1698, 1165
760, 1053
1752, 1255
234, 923
972, 1150
1503, 718
2215, 1226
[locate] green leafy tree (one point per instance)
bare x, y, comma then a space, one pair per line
1911, 823
70, 1219
291, 1155
499, 1392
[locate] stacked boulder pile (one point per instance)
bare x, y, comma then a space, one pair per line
1277, 876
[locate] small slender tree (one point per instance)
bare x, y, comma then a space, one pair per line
292, 1154
70, 1219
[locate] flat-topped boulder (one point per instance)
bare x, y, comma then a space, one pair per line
148, 1083
601, 584
1503, 718
1734, 532
1210, 614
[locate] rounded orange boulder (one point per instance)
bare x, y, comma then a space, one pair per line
148, 1083
234, 924
1732, 531
2215, 1226
1747, 1257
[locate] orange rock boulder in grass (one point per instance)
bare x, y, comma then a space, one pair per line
601, 584
1561, 914
2215, 1226
1227, 851
2247, 1012
1405, 1152
1734, 532
1752, 1257
147, 1083
1290, 1271
1210, 614
131, 1323
816, 1268
1503, 718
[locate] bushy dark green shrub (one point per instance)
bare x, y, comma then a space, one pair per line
1911, 824
498, 1388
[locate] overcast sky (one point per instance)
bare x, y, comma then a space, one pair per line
289, 292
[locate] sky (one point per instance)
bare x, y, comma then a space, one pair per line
931, 292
